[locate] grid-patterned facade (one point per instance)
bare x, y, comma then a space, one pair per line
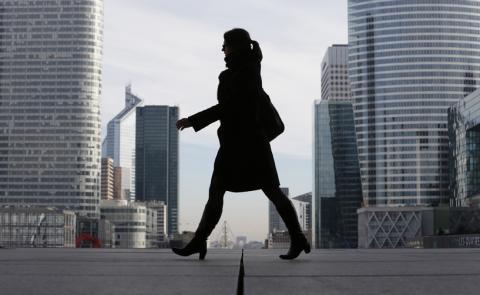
409, 61
50, 85
464, 134
37, 227
157, 159
335, 85
107, 179
337, 190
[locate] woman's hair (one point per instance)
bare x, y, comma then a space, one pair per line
239, 40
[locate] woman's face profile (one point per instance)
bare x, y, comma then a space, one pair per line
226, 49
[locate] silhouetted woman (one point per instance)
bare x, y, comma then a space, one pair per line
244, 161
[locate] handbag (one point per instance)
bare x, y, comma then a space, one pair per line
269, 118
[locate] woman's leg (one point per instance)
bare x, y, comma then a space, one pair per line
211, 216
212, 212
298, 242
285, 209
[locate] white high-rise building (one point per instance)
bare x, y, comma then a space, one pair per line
119, 144
335, 85
50, 87
409, 61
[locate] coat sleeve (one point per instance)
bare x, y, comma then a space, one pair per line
204, 118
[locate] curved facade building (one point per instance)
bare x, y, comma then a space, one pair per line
50, 83
408, 62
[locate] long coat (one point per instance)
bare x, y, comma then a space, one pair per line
244, 161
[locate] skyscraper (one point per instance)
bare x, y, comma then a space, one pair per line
50, 85
464, 133
337, 192
119, 144
335, 85
157, 159
408, 62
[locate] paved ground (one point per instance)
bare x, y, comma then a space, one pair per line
117, 271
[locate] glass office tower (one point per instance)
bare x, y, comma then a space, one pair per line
50, 86
157, 159
337, 190
464, 133
409, 61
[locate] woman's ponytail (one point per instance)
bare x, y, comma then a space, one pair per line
257, 52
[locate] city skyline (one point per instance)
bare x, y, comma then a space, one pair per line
178, 63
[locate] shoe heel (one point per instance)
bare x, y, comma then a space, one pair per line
307, 248
202, 255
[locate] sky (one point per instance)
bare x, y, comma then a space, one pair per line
170, 52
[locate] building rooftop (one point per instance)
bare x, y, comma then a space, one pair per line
126, 271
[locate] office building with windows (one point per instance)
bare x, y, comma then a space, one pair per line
119, 144
337, 190
464, 135
107, 178
157, 159
50, 87
335, 83
409, 61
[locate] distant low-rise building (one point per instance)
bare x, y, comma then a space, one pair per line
161, 222
130, 220
37, 227
279, 240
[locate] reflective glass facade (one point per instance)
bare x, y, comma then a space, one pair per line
50, 86
337, 190
157, 159
408, 62
119, 144
464, 134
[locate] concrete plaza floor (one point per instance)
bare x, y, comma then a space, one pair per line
121, 271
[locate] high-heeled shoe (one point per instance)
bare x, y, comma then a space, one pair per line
195, 246
297, 245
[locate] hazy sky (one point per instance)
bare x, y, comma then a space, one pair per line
171, 53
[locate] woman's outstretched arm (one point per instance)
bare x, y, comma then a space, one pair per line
201, 119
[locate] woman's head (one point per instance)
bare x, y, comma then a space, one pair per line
238, 40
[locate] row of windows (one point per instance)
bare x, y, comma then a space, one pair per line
377, 157
426, 88
393, 53
378, 104
414, 6
393, 149
420, 40
376, 118
373, 165
422, 111
366, 4
382, 135
380, 128
40, 196
391, 77
391, 171
413, 68
408, 186
375, 141
369, 35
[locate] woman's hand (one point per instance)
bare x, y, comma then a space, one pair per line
183, 123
